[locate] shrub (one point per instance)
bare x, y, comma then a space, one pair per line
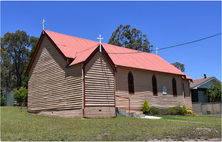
176, 111
2, 100
154, 110
171, 111
21, 94
146, 107
190, 112
185, 108
163, 111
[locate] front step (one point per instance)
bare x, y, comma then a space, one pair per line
123, 113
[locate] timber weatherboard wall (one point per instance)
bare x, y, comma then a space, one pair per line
143, 89
99, 88
187, 98
51, 86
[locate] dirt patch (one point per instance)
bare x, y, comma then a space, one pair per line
202, 139
206, 130
188, 139
102, 135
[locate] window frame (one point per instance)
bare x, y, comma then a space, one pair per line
174, 87
154, 84
184, 91
131, 84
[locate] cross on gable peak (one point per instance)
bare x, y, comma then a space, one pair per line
100, 38
43, 23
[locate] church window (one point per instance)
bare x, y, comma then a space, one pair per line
154, 83
130, 83
174, 87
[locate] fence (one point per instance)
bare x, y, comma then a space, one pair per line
9, 99
207, 108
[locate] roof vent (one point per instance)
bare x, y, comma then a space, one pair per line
205, 76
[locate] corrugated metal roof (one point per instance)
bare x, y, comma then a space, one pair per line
141, 60
80, 49
196, 82
70, 45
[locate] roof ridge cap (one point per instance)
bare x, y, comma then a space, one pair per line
204, 78
129, 49
70, 35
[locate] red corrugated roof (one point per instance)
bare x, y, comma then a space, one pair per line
80, 49
137, 59
70, 45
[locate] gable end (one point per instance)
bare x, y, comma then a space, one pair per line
43, 35
104, 54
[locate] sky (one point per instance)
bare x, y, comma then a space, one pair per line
166, 23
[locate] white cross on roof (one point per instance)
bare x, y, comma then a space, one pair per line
43, 23
100, 38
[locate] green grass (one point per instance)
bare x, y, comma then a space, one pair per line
22, 126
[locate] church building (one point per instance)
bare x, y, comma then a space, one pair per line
76, 77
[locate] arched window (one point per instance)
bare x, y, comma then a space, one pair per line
130, 83
174, 87
154, 83
183, 91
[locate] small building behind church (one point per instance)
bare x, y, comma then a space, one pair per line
74, 77
199, 88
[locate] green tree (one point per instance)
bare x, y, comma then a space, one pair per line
185, 108
16, 47
146, 107
25, 79
21, 94
7, 79
2, 98
214, 92
130, 38
179, 66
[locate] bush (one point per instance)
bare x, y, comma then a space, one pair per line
172, 111
21, 94
154, 111
190, 112
146, 107
2, 100
185, 108
163, 111
176, 111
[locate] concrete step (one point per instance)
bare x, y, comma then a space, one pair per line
141, 115
132, 114
123, 113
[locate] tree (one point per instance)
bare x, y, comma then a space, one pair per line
130, 38
214, 92
21, 94
185, 108
7, 79
25, 79
179, 66
15, 45
146, 107
2, 98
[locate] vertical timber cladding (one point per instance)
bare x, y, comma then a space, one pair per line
52, 87
187, 99
99, 88
143, 89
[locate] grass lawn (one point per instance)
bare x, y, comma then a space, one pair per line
22, 126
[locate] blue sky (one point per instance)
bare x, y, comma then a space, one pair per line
166, 23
